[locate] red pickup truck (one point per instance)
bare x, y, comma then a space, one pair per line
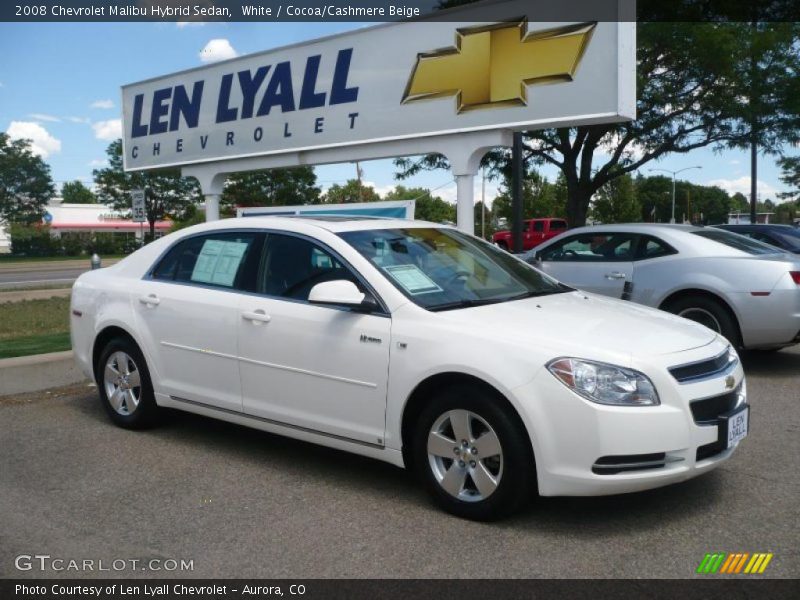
534, 232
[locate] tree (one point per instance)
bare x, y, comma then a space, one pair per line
616, 202
352, 191
540, 198
426, 207
74, 192
273, 187
766, 109
790, 175
739, 202
167, 193
685, 83
25, 183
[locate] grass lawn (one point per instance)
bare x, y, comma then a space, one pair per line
34, 327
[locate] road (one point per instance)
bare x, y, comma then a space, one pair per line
32, 274
241, 503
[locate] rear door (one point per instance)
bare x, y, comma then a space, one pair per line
599, 262
187, 311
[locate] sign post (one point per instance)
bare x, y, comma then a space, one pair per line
139, 211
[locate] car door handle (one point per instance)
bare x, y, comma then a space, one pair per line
615, 275
151, 300
256, 316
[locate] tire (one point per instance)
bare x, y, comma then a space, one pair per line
708, 312
502, 245
128, 399
473, 495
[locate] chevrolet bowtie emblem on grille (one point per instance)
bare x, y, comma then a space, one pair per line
491, 66
729, 382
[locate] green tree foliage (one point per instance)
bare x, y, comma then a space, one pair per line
688, 80
274, 187
700, 204
766, 108
167, 193
790, 175
74, 192
25, 182
739, 203
352, 191
540, 198
616, 202
427, 207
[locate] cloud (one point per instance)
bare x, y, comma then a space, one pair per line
98, 162
742, 184
216, 50
1, 84
735, 161
42, 143
81, 120
105, 104
108, 130
44, 117
182, 24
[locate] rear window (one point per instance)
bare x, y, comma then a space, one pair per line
737, 242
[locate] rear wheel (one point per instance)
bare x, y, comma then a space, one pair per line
708, 312
473, 457
502, 245
124, 385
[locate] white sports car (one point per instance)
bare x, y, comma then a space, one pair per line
414, 344
746, 290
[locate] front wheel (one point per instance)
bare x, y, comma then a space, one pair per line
123, 381
474, 458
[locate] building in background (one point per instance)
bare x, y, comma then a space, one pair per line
743, 218
95, 218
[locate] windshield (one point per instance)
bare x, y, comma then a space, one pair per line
440, 269
736, 241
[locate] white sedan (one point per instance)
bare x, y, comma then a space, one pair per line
741, 288
414, 344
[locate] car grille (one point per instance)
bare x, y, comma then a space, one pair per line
702, 369
708, 410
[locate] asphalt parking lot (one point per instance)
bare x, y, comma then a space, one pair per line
242, 503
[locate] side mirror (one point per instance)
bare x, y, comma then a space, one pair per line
339, 292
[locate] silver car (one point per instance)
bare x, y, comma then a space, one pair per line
744, 289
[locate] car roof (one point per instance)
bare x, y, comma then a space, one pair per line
330, 222
638, 227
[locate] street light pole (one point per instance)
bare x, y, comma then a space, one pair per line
674, 173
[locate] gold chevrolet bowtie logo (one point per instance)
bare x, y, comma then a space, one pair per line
493, 65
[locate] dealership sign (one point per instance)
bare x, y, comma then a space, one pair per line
389, 82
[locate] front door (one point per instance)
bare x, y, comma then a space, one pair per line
314, 367
596, 262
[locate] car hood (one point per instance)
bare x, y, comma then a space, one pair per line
572, 322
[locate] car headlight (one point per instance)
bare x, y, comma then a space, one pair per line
605, 384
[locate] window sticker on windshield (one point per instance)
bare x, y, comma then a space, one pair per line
218, 262
413, 280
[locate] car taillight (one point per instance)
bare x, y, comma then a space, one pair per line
795, 276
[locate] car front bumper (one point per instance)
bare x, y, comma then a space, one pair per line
588, 449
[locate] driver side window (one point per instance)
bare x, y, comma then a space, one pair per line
293, 265
591, 247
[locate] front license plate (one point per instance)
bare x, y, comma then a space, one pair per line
734, 426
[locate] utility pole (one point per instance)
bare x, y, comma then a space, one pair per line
359, 174
516, 192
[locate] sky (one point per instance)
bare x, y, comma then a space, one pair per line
60, 85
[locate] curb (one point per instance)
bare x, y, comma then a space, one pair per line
24, 374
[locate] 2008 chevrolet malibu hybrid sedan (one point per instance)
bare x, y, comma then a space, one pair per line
415, 344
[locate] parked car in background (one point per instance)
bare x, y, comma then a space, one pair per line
746, 290
785, 237
415, 344
534, 232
